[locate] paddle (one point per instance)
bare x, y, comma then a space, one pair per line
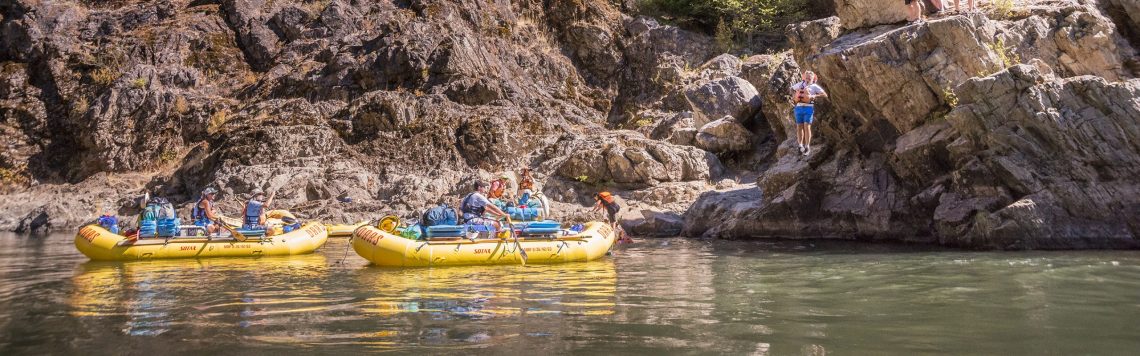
233, 232
511, 227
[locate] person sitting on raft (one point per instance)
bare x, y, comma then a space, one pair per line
476, 204
499, 187
255, 211
203, 212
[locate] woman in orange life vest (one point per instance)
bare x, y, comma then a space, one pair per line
803, 95
499, 187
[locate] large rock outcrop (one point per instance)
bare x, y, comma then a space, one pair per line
928, 137
629, 159
1069, 176
393, 106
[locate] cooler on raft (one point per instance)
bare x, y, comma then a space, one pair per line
526, 228
538, 228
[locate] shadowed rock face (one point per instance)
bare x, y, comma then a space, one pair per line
933, 132
396, 105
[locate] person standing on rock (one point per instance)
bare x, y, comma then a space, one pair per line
938, 6
915, 10
203, 212
803, 95
969, 6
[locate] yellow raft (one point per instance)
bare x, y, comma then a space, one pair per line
389, 250
343, 230
97, 243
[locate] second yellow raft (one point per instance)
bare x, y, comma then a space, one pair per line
385, 249
99, 244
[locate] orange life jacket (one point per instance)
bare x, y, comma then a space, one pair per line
498, 187
606, 197
803, 96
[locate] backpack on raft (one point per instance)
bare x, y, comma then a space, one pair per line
524, 213
440, 215
290, 224
148, 222
109, 222
159, 219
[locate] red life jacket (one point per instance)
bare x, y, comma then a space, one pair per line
803, 95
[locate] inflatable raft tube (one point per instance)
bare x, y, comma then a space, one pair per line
344, 230
99, 244
388, 250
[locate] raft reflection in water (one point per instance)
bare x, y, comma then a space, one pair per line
208, 296
468, 305
491, 291
312, 300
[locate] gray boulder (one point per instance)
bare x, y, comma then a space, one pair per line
867, 13
626, 159
724, 135
731, 96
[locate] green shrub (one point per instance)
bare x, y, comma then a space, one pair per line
1001, 9
103, 76
724, 37
1006, 55
733, 20
14, 177
168, 156
949, 97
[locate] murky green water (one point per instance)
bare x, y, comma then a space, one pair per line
656, 297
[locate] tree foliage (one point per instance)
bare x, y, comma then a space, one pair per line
742, 18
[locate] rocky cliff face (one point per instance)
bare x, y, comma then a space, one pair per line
395, 105
934, 132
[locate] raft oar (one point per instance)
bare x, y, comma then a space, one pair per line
233, 232
511, 227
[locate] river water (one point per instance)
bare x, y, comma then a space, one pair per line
653, 297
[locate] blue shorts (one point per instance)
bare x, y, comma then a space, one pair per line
804, 114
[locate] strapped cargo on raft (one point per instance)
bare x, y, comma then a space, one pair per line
453, 245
